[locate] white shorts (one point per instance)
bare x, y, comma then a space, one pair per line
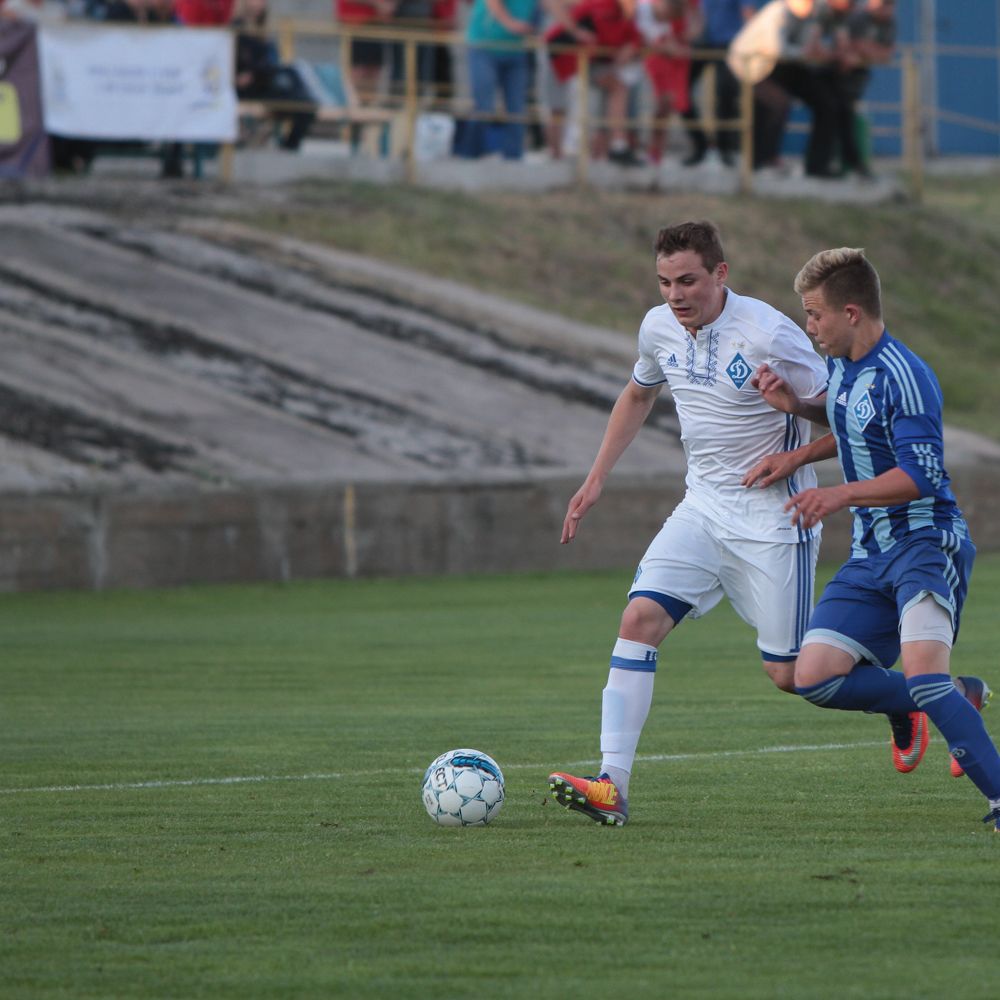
769, 584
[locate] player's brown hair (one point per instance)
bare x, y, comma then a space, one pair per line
701, 237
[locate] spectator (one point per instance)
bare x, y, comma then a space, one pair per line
721, 20
260, 76
140, 12
444, 14
667, 26
413, 16
800, 47
34, 11
366, 54
204, 12
608, 27
504, 68
150, 12
868, 39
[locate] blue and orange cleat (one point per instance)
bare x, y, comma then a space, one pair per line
994, 818
597, 798
978, 695
910, 736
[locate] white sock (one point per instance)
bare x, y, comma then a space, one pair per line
625, 705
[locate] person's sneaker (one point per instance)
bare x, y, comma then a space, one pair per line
626, 157
910, 736
978, 695
993, 816
597, 798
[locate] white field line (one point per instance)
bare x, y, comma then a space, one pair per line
250, 779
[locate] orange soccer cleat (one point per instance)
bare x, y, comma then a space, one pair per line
910, 736
597, 798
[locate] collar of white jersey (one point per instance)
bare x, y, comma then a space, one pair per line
728, 305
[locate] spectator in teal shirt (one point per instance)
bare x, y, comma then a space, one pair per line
505, 68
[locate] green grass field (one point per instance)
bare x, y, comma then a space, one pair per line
215, 792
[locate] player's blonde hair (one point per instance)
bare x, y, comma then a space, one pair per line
845, 276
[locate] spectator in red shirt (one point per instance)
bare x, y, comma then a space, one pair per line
204, 11
600, 25
668, 26
367, 54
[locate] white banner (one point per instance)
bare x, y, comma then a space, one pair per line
111, 82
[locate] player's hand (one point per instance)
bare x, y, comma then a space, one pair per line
775, 390
810, 506
770, 469
584, 498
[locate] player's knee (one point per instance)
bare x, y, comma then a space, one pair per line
645, 621
781, 674
815, 664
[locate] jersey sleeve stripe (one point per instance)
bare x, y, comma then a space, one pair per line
913, 402
905, 391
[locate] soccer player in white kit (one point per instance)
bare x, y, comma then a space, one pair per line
722, 539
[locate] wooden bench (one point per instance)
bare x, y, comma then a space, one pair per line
371, 129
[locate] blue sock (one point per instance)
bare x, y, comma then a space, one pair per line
962, 726
865, 689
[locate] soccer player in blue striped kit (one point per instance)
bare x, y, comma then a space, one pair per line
900, 593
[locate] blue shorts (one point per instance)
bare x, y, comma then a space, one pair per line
864, 602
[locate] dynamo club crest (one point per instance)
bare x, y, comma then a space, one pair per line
864, 411
738, 370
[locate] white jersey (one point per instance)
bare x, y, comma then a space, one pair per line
726, 426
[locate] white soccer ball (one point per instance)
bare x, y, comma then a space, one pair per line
463, 788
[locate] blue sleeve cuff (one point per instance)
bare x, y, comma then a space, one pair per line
919, 477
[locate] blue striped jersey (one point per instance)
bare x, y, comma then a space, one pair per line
885, 410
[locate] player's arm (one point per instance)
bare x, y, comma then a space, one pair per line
886, 490
783, 464
780, 394
627, 416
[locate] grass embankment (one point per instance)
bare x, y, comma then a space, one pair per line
588, 257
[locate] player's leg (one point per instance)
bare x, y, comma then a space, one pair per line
852, 637
927, 670
977, 692
625, 704
931, 585
770, 586
677, 575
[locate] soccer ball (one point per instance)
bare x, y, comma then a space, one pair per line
463, 788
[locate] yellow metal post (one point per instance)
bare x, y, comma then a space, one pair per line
226, 160
583, 118
286, 40
710, 81
410, 104
746, 135
913, 154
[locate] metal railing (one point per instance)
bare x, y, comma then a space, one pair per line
401, 106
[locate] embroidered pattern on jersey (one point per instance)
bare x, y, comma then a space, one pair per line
738, 370
672, 361
864, 411
708, 376
842, 399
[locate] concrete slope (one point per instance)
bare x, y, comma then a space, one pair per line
225, 360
